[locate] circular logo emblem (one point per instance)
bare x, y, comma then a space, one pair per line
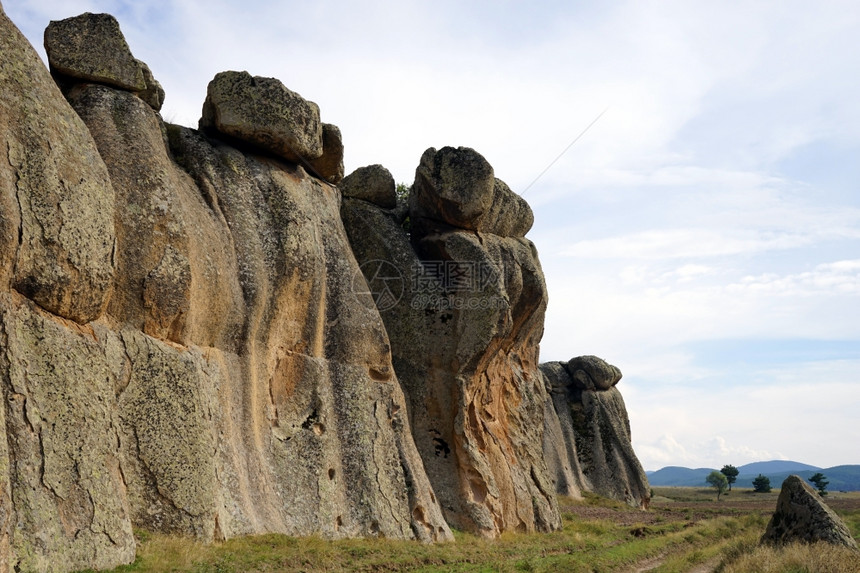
380, 280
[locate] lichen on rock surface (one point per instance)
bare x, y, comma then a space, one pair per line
56, 224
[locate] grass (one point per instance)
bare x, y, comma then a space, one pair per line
685, 529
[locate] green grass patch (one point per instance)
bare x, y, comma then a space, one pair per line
598, 535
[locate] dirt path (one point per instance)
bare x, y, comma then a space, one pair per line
650, 564
707, 567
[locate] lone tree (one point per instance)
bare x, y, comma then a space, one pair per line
761, 484
718, 481
731, 473
820, 481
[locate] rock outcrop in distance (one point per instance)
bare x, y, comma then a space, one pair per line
201, 333
587, 439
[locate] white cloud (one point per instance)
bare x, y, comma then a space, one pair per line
841, 278
684, 243
807, 414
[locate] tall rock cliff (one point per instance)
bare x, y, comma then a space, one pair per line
463, 298
180, 345
212, 332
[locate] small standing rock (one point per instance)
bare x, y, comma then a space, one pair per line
801, 515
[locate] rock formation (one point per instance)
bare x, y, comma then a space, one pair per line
594, 452
801, 515
180, 345
463, 299
201, 334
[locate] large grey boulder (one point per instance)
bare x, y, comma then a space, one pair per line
801, 515
263, 112
453, 186
92, 48
456, 186
596, 429
373, 183
593, 373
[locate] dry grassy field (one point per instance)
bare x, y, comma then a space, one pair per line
686, 530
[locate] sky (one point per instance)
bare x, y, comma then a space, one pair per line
703, 234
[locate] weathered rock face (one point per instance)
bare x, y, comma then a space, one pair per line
801, 515
61, 492
559, 439
56, 224
464, 313
595, 453
181, 348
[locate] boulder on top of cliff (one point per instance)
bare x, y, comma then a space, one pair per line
92, 48
457, 187
453, 185
263, 112
329, 166
801, 515
593, 373
373, 183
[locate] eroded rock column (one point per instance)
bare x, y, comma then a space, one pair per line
463, 299
596, 453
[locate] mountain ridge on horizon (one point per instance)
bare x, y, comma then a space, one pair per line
842, 478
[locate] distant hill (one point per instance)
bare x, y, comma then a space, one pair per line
678, 476
776, 466
842, 478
